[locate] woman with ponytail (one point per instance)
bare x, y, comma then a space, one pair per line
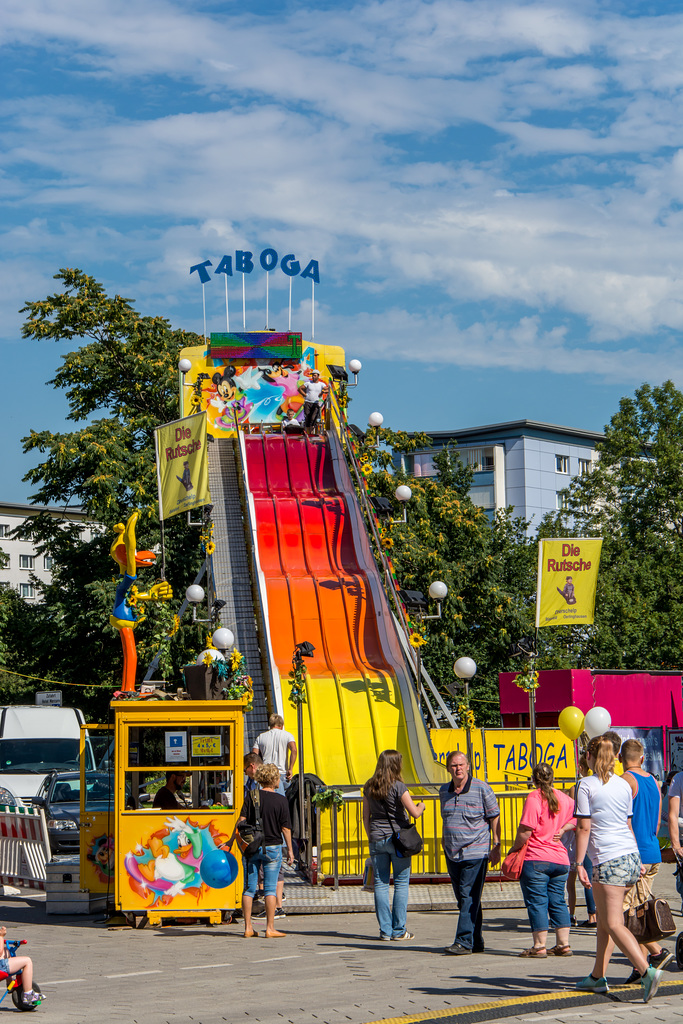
546, 863
604, 808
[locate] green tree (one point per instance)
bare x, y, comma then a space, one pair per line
488, 567
120, 383
633, 498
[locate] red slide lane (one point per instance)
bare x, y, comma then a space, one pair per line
317, 591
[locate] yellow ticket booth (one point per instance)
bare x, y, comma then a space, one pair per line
168, 863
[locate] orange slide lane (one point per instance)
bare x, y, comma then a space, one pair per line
317, 591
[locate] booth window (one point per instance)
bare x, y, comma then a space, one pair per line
202, 751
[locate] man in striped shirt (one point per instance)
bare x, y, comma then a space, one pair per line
471, 818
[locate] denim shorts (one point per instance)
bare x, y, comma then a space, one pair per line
4, 966
620, 870
270, 862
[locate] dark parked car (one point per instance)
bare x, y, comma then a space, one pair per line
60, 796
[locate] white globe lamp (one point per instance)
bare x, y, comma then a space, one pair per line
215, 656
375, 419
438, 590
184, 365
195, 594
355, 366
465, 668
403, 493
223, 638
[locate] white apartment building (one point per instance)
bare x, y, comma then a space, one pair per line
24, 562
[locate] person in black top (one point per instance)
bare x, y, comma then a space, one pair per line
165, 799
274, 813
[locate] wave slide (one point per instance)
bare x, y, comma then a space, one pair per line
319, 582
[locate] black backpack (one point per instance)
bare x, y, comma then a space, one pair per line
250, 838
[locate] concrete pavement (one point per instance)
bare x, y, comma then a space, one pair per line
330, 968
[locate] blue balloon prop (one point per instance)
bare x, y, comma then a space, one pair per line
218, 869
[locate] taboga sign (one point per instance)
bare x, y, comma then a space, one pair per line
268, 260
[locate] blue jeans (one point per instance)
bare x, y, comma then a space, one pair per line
392, 919
590, 902
271, 869
543, 887
467, 879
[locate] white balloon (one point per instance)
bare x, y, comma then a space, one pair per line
355, 366
375, 419
597, 721
403, 493
438, 590
223, 638
465, 668
215, 656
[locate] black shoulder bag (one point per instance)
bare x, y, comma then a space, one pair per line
251, 837
407, 840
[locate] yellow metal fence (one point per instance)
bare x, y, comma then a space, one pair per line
343, 846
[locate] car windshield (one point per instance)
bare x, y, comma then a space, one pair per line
98, 789
38, 756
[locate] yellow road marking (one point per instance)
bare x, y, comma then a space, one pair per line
459, 1011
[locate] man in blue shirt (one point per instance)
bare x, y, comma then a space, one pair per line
471, 818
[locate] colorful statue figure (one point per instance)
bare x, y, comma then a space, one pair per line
126, 615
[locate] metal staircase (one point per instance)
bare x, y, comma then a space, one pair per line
232, 568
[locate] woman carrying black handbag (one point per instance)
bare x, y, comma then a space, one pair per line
386, 805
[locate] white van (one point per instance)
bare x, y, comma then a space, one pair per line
35, 741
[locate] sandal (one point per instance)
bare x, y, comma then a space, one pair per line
573, 922
536, 951
561, 951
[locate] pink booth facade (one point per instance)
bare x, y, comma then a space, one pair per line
638, 699
641, 704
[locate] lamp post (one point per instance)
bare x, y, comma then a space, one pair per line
355, 366
302, 650
465, 669
375, 419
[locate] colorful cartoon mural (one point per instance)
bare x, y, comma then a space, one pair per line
251, 392
180, 859
100, 853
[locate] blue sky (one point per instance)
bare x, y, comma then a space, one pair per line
493, 189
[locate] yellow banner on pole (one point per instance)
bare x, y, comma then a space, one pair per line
182, 465
567, 579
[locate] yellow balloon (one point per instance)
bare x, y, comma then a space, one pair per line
570, 722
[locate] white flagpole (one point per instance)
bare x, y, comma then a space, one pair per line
290, 305
227, 311
244, 306
267, 321
204, 307
312, 309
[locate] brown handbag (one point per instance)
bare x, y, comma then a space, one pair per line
650, 921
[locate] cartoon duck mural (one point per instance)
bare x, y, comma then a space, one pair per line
182, 858
126, 616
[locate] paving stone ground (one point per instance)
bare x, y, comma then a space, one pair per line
330, 968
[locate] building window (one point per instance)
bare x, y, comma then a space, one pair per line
423, 465
26, 590
561, 463
482, 496
47, 562
560, 500
4, 530
584, 467
26, 562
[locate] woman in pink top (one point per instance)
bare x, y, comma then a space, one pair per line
546, 862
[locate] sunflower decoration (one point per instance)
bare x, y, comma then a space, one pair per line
527, 680
417, 640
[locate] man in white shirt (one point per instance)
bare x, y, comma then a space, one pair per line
314, 390
279, 748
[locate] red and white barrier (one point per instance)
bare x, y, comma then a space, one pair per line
24, 846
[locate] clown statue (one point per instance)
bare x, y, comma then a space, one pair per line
126, 616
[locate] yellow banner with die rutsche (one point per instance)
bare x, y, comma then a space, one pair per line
567, 580
182, 465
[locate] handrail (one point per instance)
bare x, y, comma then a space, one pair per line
418, 669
